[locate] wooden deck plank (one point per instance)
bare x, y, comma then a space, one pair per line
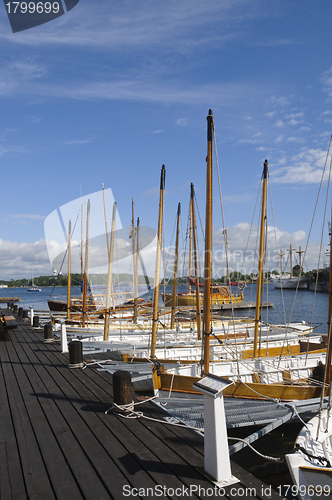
11, 479
34, 472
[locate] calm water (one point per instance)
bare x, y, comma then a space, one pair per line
37, 299
302, 309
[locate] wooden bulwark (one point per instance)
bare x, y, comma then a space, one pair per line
56, 442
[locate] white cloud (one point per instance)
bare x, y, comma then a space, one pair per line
326, 80
304, 168
298, 140
27, 216
182, 122
17, 260
73, 142
279, 123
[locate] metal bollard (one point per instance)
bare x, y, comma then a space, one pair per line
122, 388
35, 322
15, 308
75, 354
20, 312
25, 313
48, 333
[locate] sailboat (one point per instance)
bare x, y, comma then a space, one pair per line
288, 281
220, 294
284, 378
33, 288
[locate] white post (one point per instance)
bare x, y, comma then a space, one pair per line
64, 342
216, 454
31, 315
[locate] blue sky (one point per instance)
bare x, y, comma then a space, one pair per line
112, 90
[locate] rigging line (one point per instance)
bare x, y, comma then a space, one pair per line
316, 204
276, 243
225, 237
199, 216
197, 239
309, 234
141, 214
285, 341
64, 257
168, 256
323, 224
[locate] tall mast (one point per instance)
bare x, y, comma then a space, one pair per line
158, 258
175, 265
85, 282
82, 248
291, 250
300, 252
109, 276
69, 272
208, 244
190, 240
260, 258
198, 305
329, 322
281, 256
105, 216
133, 232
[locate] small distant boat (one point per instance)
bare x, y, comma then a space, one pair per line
34, 288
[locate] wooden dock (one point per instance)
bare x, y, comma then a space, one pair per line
56, 442
240, 305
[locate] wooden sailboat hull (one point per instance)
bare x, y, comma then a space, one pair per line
189, 299
255, 390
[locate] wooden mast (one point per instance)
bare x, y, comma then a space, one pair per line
85, 282
133, 233
175, 265
198, 305
260, 258
158, 258
300, 252
82, 249
190, 242
281, 256
109, 276
291, 250
329, 322
69, 272
208, 244
105, 216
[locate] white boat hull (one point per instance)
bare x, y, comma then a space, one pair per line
312, 477
288, 283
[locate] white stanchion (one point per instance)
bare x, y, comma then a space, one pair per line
31, 315
64, 342
216, 455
